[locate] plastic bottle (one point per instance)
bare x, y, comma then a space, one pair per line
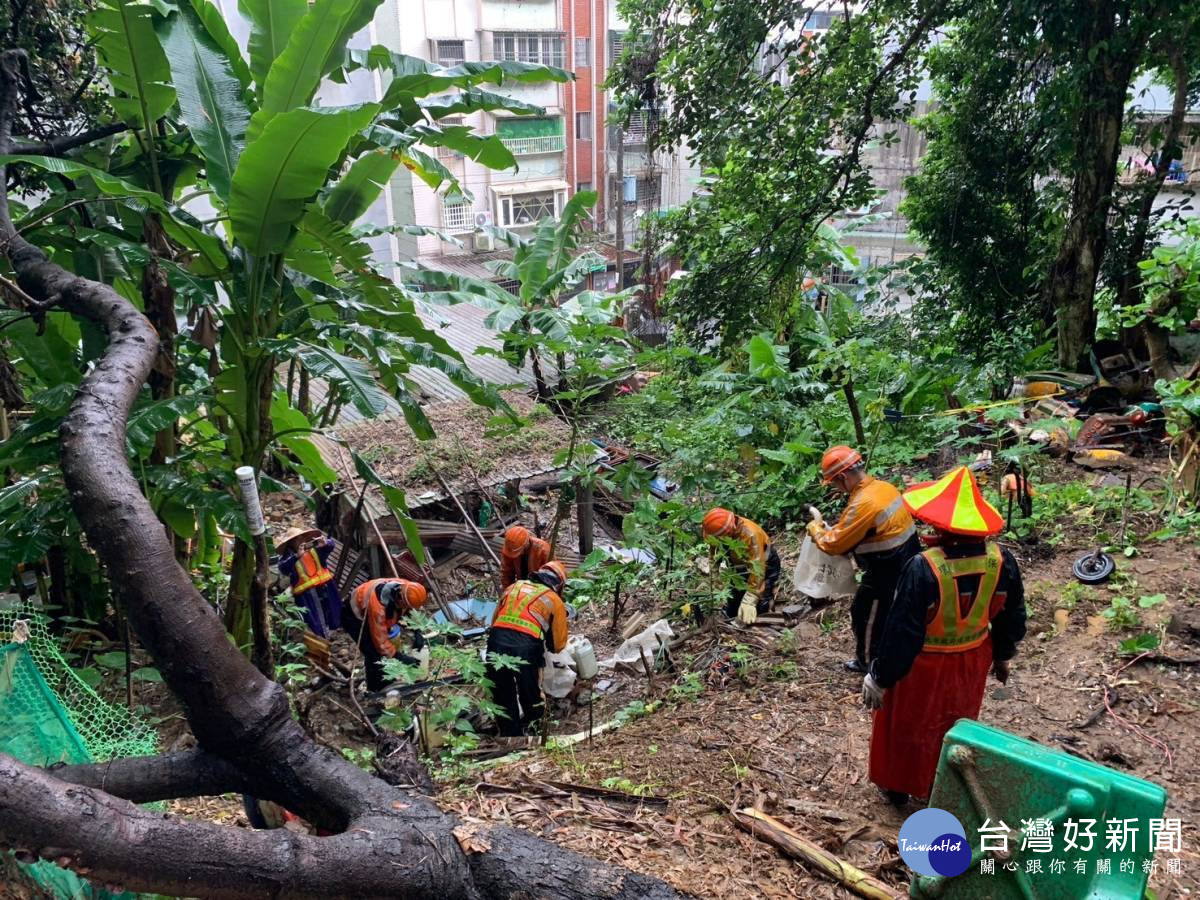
585, 657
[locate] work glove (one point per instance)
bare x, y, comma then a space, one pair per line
814, 513
1000, 670
748, 610
872, 693
815, 528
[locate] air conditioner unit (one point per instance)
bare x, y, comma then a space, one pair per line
483, 242
483, 219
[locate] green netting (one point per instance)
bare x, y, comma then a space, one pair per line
35, 728
48, 715
107, 731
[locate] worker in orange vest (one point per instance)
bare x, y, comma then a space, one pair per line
303, 553
959, 611
523, 554
377, 606
878, 530
755, 561
530, 619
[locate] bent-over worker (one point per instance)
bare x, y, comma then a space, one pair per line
959, 610
523, 554
376, 607
755, 561
530, 619
878, 530
303, 553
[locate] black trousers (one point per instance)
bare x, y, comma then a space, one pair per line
873, 599
771, 579
372, 658
518, 692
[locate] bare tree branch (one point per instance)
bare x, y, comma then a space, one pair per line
59, 146
146, 779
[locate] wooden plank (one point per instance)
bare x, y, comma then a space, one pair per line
825, 863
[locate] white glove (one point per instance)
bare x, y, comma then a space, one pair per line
748, 611
872, 693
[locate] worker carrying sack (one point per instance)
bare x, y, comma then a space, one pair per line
821, 576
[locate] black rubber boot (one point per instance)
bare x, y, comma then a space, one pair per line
855, 665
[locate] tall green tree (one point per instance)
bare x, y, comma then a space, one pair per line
779, 118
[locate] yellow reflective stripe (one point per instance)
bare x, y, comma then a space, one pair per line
946, 590
321, 576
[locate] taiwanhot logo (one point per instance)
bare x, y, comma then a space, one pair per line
933, 842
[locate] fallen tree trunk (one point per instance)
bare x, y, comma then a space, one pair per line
796, 846
387, 843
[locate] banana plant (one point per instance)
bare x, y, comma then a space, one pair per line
238, 186
547, 267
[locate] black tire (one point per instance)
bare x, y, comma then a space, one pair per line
1094, 569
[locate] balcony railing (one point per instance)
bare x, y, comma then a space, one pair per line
527, 146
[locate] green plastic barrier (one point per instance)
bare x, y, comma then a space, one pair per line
986, 777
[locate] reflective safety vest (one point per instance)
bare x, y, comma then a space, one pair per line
515, 609
360, 600
950, 631
892, 527
310, 572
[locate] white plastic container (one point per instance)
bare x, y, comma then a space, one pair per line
558, 674
585, 657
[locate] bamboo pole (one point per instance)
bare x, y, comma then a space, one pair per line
795, 846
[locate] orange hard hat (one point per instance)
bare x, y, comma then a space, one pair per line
415, 594
837, 460
718, 522
516, 539
555, 569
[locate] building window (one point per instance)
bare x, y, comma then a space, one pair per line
457, 216
528, 209
450, 53
524, 136
643, 190
814, 19
583, 186
583, 53
616, 48
449, 122
543, 48
583, 126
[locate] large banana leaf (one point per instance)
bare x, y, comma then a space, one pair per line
317, 45
320, 233
210, 95
210, 248
351, 375
487, 151
430, 171
471, 100
137, 67
360, 186
218, 30
271, 24
414, 77
292, 428
283, 169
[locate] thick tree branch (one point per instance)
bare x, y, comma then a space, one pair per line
113, 841
59, 146
146, 779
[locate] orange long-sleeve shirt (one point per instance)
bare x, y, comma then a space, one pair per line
544, 617
873, 521
754, 557
523, 564
366, 605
